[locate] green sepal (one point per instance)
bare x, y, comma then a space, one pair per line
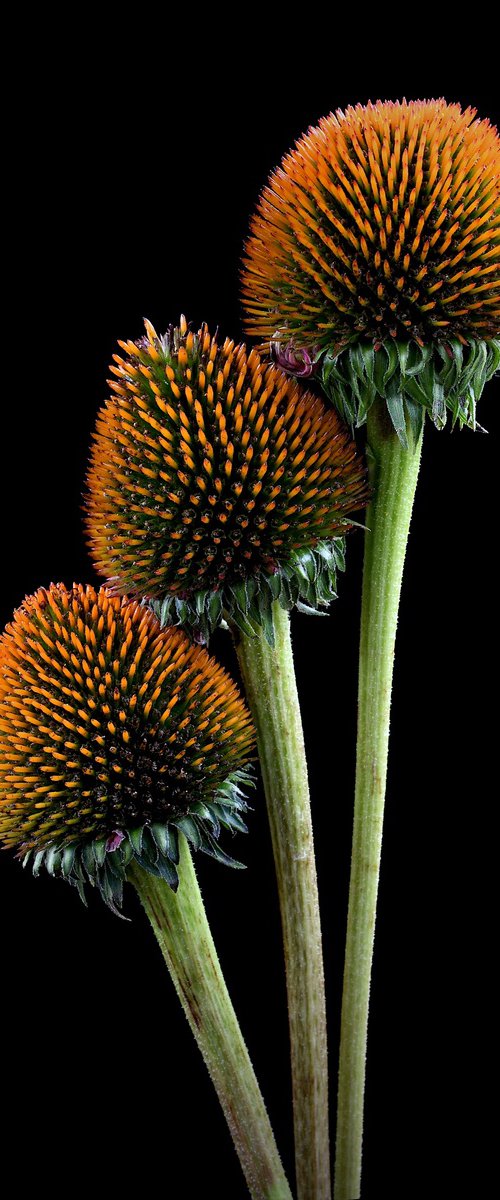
160, 834
412, 380
135, 837
189, 827
307, 580
99, 848
154, 846
168, 872
68, 859
53, 860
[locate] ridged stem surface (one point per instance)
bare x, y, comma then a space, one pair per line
181, 928
269, 677
393, 475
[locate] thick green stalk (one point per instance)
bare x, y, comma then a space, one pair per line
180, 925
271, 689
393, 475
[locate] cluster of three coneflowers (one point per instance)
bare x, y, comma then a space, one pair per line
220, 491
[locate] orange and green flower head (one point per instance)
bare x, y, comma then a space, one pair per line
217, 485
115, 736
381, 229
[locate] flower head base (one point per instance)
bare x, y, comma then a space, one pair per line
114, 736
216, 484
383, 222
377, 243
412, 380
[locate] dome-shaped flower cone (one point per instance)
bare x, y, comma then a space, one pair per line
375, 253
114, 735
217, 484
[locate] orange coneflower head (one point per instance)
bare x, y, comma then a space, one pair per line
113, 735
211, 472
383, 222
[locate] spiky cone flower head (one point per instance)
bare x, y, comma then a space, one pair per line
114, 737
374, 257
217, 485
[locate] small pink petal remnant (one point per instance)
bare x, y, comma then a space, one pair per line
294, 360
115, 840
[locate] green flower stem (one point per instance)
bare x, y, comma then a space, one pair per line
269, 679
393, 475
180, 925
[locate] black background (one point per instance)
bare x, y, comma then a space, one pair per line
129, 192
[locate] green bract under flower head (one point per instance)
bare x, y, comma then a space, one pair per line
216, 483
412, 380
114, 736
381, 232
